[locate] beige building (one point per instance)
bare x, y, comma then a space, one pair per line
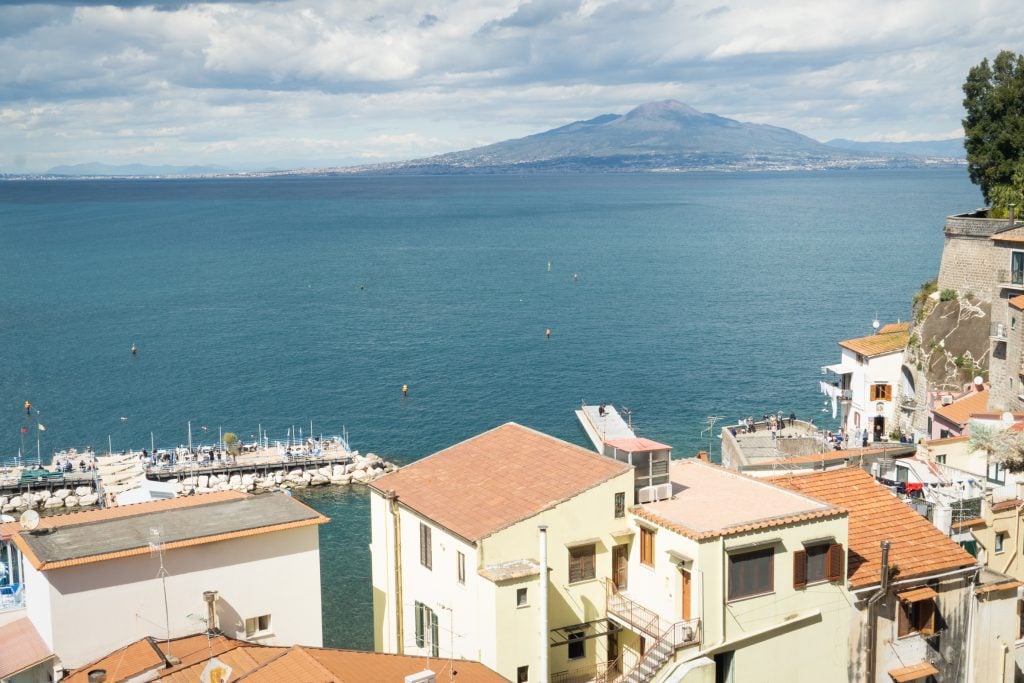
118, 574
458, 553
733, 579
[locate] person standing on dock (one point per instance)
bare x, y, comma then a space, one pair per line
405, 391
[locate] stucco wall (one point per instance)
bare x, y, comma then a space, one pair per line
118, 601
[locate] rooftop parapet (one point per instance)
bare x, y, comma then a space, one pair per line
975, 224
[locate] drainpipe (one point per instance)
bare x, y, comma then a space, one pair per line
543, 666
1013, 217
397, 530
883, 589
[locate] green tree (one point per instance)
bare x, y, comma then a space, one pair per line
994, 125
231, 441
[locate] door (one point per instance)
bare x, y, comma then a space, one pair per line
620, 565
685, 593
613, 649
879, 428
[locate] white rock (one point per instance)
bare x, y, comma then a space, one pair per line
54, 503
337, 471
7, 508
235, 480
278, 479
16, 501
179, 488
319, 480
222, 486
61, 493
307, 477
360, 475
203, 481
83, 491
248, 479
203, 489
87, 500
71, 501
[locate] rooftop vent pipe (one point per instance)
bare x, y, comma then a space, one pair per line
97, 676
211, 611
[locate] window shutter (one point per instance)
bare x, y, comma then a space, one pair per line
435, 641
904, 620
835, 562
419, 624
888, 392
800, 569
926, 620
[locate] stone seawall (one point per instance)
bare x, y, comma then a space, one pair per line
81, 496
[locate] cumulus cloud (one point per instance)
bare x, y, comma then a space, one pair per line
217, 82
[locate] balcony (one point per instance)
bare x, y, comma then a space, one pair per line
1010, 279
12, 596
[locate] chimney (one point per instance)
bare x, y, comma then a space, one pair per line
97, 676
703, 455
211, 611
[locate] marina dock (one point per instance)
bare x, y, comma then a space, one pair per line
603, 424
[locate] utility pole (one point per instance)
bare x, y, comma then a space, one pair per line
710, 429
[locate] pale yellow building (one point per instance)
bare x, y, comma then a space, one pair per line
457, 553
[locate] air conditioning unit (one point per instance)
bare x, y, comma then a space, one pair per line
425, 676
947, 399
663, 491
647, 494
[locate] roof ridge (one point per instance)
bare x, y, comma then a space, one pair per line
300, 651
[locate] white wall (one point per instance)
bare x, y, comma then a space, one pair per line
118, 601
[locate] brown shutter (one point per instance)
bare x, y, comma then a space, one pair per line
888, 392
926, 619
800, 569
904, 619
835, 562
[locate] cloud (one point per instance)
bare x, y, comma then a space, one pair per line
401, 78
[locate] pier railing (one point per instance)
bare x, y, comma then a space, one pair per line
244, 464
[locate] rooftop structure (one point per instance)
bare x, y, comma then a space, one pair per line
706, 503
889, 339
615, 439
96, 535
21, 648
491, 481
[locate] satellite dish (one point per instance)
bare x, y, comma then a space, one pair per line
875, 324
29, 520
1007, 418
979, 380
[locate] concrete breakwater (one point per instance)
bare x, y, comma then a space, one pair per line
43, 499
252, 478
361, 469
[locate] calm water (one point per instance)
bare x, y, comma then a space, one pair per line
274, 302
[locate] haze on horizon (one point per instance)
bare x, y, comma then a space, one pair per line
286, 84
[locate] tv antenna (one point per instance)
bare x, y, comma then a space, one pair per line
628, 412
710, 429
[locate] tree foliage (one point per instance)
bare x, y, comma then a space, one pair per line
994, 125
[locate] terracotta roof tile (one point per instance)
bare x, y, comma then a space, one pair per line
1000, 586
369, 667
21, 647
148, 654
917, 549
1017, 302
877, 344
1006, 505
913, 672
959, 412
947, 440
496, 479
968, 523
894, 327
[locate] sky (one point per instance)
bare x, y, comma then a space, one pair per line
283, 84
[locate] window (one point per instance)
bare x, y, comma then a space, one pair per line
620, 504
917, 617
257, 626
425, 555
521, 597
522, 674
943, 433
1000, 539
751, 573
817, 564
1013, 322
881, 392
426, 629
996, 473
1017, 268
460, 563
577, 645
646, 547
581, 563
941, 459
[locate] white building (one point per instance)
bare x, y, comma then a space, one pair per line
864, 385
92, 581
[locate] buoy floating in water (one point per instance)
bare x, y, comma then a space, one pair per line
135, 349
549, 266
547, 333
405, 390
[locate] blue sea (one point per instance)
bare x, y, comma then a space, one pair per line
279, 301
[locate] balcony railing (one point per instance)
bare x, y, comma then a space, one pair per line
636, 616
12, 596
602, 672
1013, 278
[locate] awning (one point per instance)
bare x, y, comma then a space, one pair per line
913, 672
838, 369
917, 595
